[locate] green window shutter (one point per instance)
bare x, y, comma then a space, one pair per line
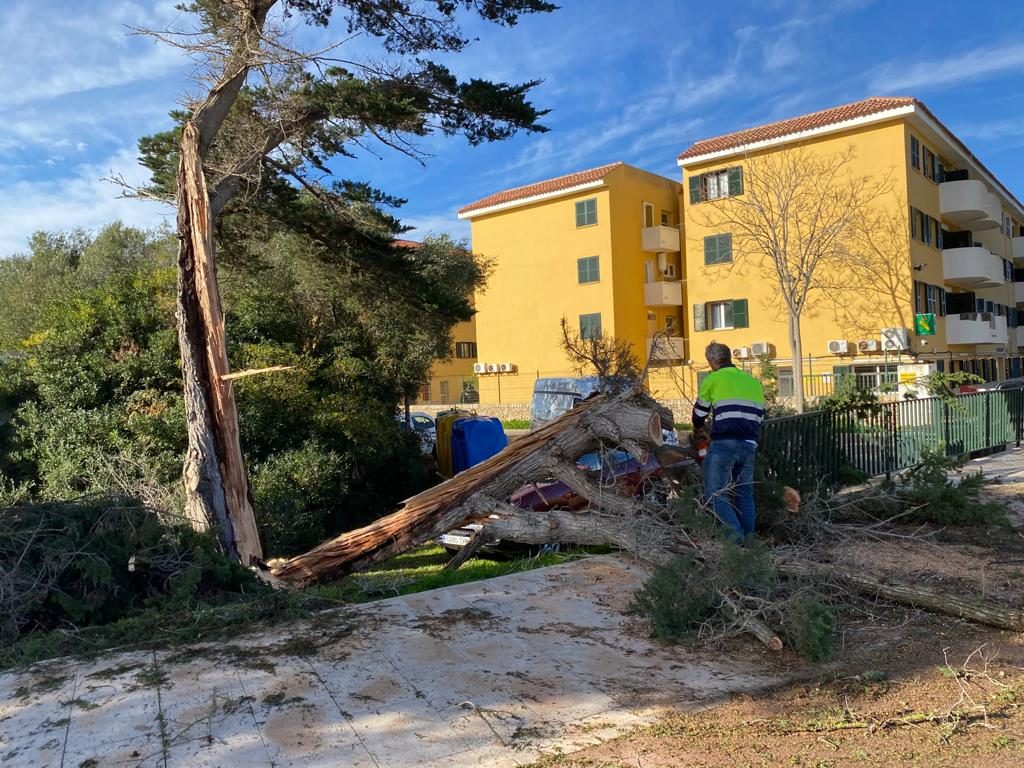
724, 248
710, 250
735, 181
695, 189
700, 317
740, 318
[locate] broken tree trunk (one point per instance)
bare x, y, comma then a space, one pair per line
216, 486
550, 451
962, 607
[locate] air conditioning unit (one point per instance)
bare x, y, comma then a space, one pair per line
839, 347
492, 367
741, 353
867, 345
759, 348
507, 367
479, 367
895, 339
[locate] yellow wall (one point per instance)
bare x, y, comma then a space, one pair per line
454, 370
534, 282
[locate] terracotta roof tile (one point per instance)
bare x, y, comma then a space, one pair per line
799, 124
541, 187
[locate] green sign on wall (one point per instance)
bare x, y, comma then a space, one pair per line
924, 324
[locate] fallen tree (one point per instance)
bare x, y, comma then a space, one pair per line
644, 524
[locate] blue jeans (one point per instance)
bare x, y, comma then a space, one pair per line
729, 484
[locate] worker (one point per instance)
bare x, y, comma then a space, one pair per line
735, 401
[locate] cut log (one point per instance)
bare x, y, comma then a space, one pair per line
553, 448
964, 607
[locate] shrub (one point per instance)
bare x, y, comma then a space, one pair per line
516, 423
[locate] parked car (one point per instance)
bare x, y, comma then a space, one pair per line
423, 426
993, 386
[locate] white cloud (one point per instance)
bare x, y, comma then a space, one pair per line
978, 62
436, 224
993, 129
81, 199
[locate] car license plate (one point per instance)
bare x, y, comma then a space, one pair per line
455, 541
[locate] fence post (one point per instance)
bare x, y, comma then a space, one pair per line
945, 424
988, 421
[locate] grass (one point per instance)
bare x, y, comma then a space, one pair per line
415, 571
515, 423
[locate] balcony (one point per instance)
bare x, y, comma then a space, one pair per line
669, 348
663, 294
972, 267
970, 205
1018, 250
1016, 339
976, 328
661, 239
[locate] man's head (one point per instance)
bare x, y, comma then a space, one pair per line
717, 355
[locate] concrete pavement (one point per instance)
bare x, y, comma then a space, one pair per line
488, 674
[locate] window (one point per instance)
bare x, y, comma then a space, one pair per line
444, 392
931, 299
588, 270
586, 212
648, 272
929, 161
925, 229
666, 219
465, 349
718, 249
648, 215
425, 393
670, 324
915, 153
1008, 271
727, 314
785, 381
670, 270
716, 185
590, 326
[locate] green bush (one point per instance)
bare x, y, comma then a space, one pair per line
516, 423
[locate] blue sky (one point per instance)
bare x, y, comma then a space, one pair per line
624, 81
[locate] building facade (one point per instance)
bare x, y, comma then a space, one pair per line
600, 248
934, 276
936, 279
453, 380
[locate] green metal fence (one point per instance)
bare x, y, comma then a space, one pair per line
814, 448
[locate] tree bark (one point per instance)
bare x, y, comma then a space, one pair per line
796, 345
216, 487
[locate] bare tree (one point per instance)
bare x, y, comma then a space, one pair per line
794, 224
872, 288
612, 359
267, 119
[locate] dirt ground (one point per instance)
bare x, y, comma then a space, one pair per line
905, 687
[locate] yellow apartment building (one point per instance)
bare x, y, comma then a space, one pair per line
951, 248
453, 380
599, 247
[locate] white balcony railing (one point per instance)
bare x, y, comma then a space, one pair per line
661, 239
976, 328
968, 203
972, 267
666, 348
663, 294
